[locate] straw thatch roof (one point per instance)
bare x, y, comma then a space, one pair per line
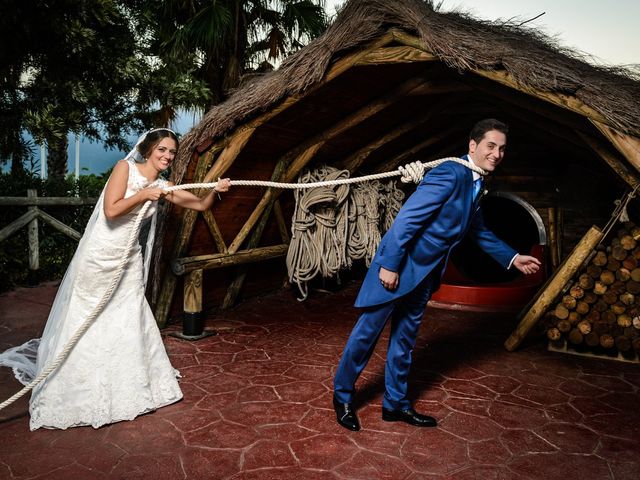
459, 40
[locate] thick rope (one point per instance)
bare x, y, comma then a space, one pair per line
408, 174
405, 172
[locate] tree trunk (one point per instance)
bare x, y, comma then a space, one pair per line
17, 167
57, 158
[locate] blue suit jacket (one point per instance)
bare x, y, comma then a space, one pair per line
434, 219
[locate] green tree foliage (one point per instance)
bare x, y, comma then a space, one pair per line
218, 42
66, 66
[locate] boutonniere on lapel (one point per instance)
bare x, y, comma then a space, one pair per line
483, 191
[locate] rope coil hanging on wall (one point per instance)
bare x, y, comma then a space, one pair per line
334, 225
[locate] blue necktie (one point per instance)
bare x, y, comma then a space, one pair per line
477, 186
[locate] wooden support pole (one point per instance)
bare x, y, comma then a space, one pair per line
559, 232
550, 290
553, 237
193, 291
282, 223
193, 322
212, 225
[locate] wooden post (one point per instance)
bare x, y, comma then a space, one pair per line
550, 290
34, 251
553, 237
193, 322
559, 231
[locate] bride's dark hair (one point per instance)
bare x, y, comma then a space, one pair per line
153, 138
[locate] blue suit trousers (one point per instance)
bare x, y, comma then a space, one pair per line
406, 315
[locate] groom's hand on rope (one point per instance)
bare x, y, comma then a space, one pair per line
388, 279
412, 172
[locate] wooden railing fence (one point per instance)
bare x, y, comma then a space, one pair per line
30, 220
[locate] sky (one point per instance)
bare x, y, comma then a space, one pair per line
605, 30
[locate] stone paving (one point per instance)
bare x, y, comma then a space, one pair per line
258, 405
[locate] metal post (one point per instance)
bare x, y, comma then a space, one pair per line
77, 157
43, 162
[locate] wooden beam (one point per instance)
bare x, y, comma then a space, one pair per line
17, 224
552, 220
182, 266
440, 87
363, 113
616, 165
45, 201
214, 230
58, 225
282, 224
627, 145
392, 55
229, 155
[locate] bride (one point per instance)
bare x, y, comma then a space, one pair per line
119, 368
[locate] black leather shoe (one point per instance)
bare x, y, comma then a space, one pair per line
409, 416
346, 415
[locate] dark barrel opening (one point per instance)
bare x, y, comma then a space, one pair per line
512, 220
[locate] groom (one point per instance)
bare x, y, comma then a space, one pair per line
407, 269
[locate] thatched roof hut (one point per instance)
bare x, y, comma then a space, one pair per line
389, 83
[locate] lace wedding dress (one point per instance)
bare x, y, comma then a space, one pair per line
119, 368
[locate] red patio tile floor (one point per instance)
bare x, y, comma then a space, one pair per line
258, 405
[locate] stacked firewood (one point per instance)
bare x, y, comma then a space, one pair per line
599, 311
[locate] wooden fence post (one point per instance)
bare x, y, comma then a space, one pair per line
34, 250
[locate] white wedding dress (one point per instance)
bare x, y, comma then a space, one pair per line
119, 368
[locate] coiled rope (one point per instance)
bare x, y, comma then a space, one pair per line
334, 225
412, 172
